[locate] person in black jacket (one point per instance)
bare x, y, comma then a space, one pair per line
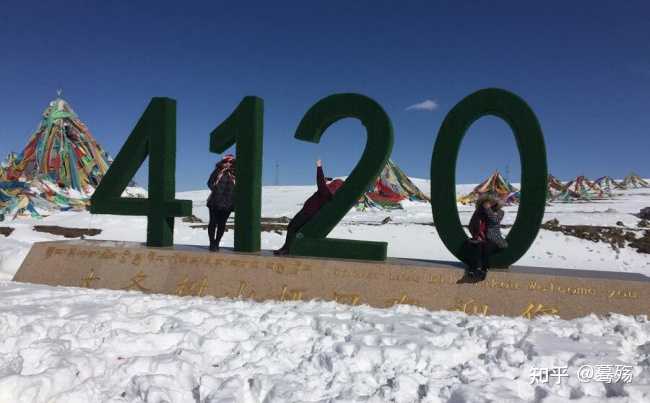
312, 206
221, 202
485, 228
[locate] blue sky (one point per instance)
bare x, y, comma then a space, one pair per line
584, 67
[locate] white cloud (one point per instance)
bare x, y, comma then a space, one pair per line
427, 105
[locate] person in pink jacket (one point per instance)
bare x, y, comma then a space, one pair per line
221, 202
312, 206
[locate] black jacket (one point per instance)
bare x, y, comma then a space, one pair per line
222, 187
493, 226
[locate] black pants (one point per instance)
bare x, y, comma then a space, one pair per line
218, 219
296, 223
478, 254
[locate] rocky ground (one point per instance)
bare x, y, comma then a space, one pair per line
67, 232
6, 231
618, 237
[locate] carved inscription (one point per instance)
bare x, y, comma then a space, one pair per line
290, 295
403, 299
350, 299
552, 287
188, 287
623, 294
470, 306
136, 283
533, 310
245, 291
88, 279
384, 285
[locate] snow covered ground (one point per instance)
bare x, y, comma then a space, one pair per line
77, 345
66, 345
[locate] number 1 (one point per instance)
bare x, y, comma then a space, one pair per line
244, 127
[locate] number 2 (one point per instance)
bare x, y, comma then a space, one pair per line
311, 239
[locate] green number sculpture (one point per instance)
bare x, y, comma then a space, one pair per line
532, 152
311, 241
154, 135
244, 127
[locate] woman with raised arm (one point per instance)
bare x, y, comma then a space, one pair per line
324, 193
221, 201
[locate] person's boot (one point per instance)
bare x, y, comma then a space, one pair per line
282, 251
472, 275
214, 246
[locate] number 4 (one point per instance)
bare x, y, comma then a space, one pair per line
155, 136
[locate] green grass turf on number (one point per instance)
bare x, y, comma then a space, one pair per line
155, 136
534, 172
244, 127
311, 240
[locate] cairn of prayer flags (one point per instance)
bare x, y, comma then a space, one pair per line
389, 189
58, 169
496, 185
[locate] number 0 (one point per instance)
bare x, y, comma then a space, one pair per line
532, 153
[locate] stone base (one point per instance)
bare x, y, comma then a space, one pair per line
193, 271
